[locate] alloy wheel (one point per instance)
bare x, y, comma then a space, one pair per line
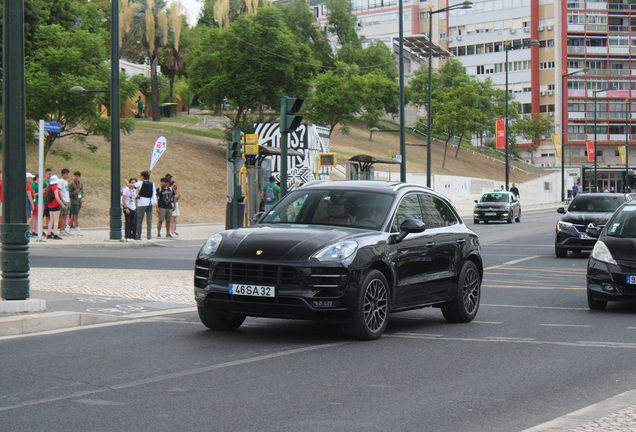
471, 290
375, 305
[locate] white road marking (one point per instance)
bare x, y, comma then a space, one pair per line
517, 261
536, 307
487, 322
184, 373
565, 325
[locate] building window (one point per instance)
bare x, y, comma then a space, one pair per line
442, 35
480, 70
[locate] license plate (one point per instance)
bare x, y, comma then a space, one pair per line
585, 237
490, 214
252, 290
631, 280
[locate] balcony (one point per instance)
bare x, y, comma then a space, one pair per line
618, 50
596, 50
596, 5
576, 115
599, 137
621, 29
601, 28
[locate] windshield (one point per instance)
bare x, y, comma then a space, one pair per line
339, 208
597, 204
494, 197
624, 223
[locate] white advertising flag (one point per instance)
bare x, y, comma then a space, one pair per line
157, 151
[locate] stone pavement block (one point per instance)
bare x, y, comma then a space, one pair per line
10, 326
90, 319
50, 321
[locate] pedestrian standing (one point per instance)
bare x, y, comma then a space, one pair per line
515, 191
140, 107
175, 211
29, 181
270, 194
76, 193
37, 207
146, 200
55, 203
62, 184
45, 184
129, 197
165, 205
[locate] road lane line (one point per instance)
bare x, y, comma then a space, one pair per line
565, 325
513, 262
487, 322
179, 374
532, 287
536, 307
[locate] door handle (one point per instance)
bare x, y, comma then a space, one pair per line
430, 244
461, 240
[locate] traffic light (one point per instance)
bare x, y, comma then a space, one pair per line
235, 147
289, 121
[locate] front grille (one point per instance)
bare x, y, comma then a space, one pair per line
201, 273
327, 278
255, 274
583, 228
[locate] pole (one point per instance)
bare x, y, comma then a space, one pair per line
595, 127
629, 113
14, 231
506, 46
563, 125
40, 180
402, 120
115, 160
430, 98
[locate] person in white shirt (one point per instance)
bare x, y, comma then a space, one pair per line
63, 185
128, 198
146, 200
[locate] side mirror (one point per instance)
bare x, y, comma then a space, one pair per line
594, 232
476, 201
561, 210
257, 217
409, 226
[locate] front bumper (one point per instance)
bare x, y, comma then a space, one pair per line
569, 238
608, 282
492, 215
302, 292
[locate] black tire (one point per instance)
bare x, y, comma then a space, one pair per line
370, 309
510, 216
220, 321
476, 221
518, 219
463, 308
595, 304
560, 252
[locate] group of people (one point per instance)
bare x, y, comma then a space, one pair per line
59, 202
514, 190
139, 197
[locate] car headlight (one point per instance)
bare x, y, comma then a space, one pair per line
212, 244
505, 214
561, 225
602, 253
337, 251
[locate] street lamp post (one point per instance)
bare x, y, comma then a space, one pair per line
465, 5
564, 125
595, 136
533, 42
627, 131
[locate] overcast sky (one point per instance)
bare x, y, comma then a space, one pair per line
192, 9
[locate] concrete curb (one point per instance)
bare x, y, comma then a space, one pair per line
104, 244
41, 322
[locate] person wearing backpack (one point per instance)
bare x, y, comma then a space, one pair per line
54, 203
270, 194
146, 200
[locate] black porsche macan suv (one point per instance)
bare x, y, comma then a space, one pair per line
349, 252
586, 209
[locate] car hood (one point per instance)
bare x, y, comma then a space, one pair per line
286, 242
492, 205
621, 248
584, 218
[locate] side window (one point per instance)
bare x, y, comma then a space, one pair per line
409, 208
446, 212
432, 216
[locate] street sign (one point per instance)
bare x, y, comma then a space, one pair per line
397, 158
327, 159
250, 138
250, 149
52, 127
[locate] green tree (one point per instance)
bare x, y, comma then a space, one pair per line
249, 74
337, 98
173, 54
302, 22
66, 59
532, 128
380, 96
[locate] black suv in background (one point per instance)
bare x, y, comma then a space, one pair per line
585, 210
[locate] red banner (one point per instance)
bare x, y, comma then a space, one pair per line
500, 133
589, 145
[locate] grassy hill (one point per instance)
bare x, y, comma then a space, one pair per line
196, 159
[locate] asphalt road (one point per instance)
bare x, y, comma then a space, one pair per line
535, 352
